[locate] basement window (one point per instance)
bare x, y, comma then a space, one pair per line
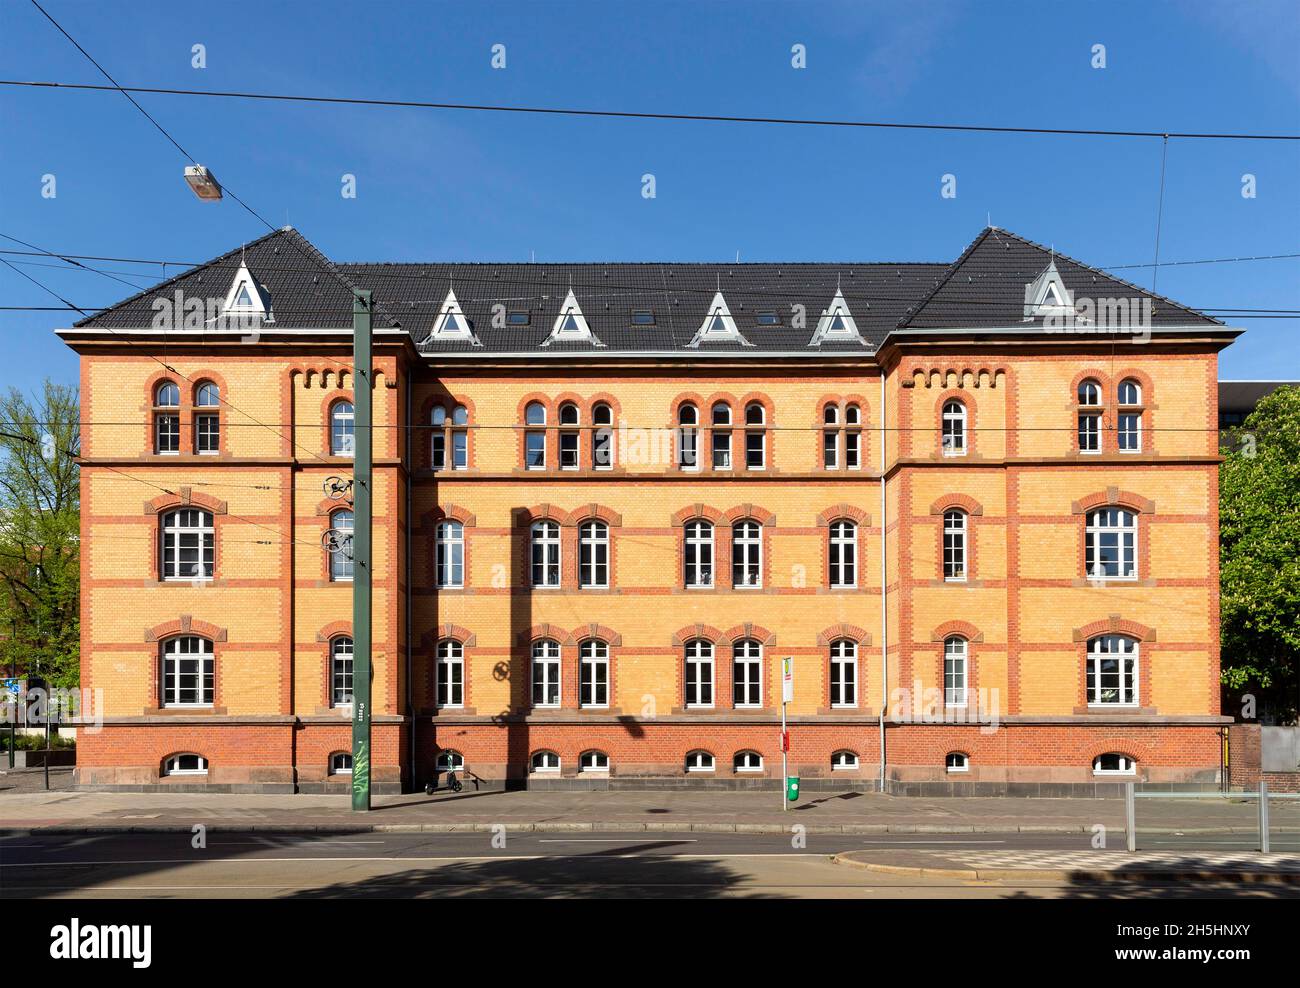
957, 762
185, 765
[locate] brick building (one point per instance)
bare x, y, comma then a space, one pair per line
610, 498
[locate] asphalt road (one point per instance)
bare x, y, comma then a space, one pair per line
662, 865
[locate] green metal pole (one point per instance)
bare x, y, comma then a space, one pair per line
361, 541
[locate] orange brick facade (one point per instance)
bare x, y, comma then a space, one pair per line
1025, 610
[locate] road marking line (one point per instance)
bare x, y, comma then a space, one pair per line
934, 842
613, 840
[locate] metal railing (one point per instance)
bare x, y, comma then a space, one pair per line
1131, 796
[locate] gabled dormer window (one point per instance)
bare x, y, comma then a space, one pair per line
571, 325
718, 325
1047, 295
247, 300
836, 324
451, 324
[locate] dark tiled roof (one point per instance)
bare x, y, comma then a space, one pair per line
984, 287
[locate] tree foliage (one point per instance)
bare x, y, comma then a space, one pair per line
1259, 554
39, 534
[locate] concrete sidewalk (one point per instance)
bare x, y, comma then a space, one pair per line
849, 812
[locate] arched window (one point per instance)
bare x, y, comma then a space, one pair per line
1089, 416
602, 442
545, 761
844, 761
843, 555
449, 760
207, 423
593, 761
342, 429
746, 555
188, 544
721, 436
1089, 392
699, 761
688, 435
1112, 671
535, 438
698, 680
341, 763
852, 437
957, 761
341, 659
831, 437
954, 428
755, 437
450, 553
342, 522
1129, 419
546, 673
698, 554
569, 437
1110, 545
1113, 763
844, 673
545, 561
747, 761
187, 673
448, 433
185, 764
593, 555
166, 419
954, 671
451, 673
747, 673
593, 674
954, 545
1130, 392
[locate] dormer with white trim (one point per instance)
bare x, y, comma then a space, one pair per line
1047, 295
837, 324
718, 325
571, 325
247, 301
451, 324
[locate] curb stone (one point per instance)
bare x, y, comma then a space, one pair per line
1099, 876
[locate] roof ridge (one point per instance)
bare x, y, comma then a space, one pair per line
916, 307
593, 264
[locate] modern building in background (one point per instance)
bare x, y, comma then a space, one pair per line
611, 498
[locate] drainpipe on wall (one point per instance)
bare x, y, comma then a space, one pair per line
410, 710
884, 585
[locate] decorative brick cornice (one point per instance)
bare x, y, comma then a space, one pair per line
844, 510
1115, 625
185, 625
593, 630
963, 628
837, 631
963, 501
184, 498
693, 631
749, 630
1113, 497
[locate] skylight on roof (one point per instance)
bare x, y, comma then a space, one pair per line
517, 317
767, 317
643, 317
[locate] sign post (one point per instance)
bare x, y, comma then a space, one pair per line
361, 540
787, 694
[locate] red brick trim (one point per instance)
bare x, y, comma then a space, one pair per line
184, 625
837, 631
694, 512
333, 630
450, 631
524, 517
749, 630
963, 629
587, 631
1134, 750
749, 512
1115, 625
595, 512
544, 630
450, 512
184, 498
1113, 497
692, 631
972, 418
327, 414
844, 510
963, 501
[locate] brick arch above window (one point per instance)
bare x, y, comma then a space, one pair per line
447, 400
749, 512
837, 632
595, 512
450, 512
598, 632
694, 512
205, 376
1133, 750
335, 629
184, 498
539, 631
726, 398
574, 399
963, 502
769, 407
962, 629
542, 399
749, 630
1115, 625
1141, 377
844, 510
1103, 380
1113, 497
541, 512
448, 632
689, 398
693, 631
185, 625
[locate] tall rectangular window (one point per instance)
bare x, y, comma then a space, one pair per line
746, 555
546, 673
187, 672
593, 555
1112, 671
451, 554
844, 673
545, 554
699, 554
341, 666
954, 672
167, 433
698, 684
207, 434
451, 674
843, 554
954, 546
593, 686
747, 674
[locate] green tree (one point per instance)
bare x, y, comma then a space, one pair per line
40, 519
1259, 554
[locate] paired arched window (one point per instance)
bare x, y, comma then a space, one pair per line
207, 419
186, 763
188, 544
842, 441
167, 418
449, 438
343, 432
747, 761
188, 672
1112, 671
955, 662
593, 555
843, 555
341, 666
953, 425
450, 554
721, 431
698, 554
544, 559
1110, 545
593, 673
451, 673
954, 545
699, 761
688, 436
746, 555
747, 673
1089, 416
535, 436
343, 523
697, 683
755, 436
844, 673
546, 673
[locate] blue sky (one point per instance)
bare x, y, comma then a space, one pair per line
453, 185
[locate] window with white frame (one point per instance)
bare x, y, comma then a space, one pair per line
593, 761
593, 555
747, 673
343, 523
755, 437
207, 423
954, 545
545, 549
449, 760
341, 763
451, 673
1089, 416
438, 438
167, 419
546, 673
844, 761
450, 554
746, 555
570, 451
341, 667
1110, 545
602, 438
957, 761
698, 680
188, 673
343, 432
535, 436
843, 555
953, 428
1112, 671
955, 652
747, 761
844, 673
830, 437
593, 674
852, 437
185, 764
1129, 419
688, 437
454, 438
188, 544
699, 761
721, 436
545, 761
698, 554
1113, 763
